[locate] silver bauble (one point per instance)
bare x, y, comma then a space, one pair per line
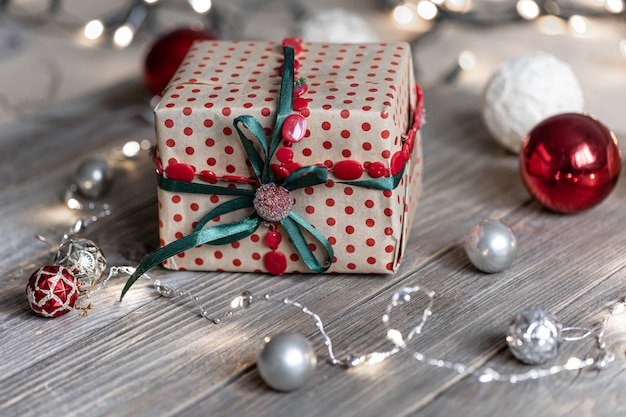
491, 246
286, 362
93, 177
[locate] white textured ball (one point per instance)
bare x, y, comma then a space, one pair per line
337, 26
526, 90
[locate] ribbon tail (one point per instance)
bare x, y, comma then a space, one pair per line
292, 225
207, 235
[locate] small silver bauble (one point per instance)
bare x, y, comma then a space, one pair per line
287, 361
491, 246
533, 336
84, 259
93, 178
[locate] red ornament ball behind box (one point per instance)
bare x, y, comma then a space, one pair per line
570, 162
52, 291
165, 56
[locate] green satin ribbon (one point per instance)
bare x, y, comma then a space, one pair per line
293, 224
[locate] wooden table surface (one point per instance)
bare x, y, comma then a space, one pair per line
152, 356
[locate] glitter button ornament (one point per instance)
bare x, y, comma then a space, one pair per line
491, 246
52, 291
533, 336
272, 202
286, 362
570, 162
84, 260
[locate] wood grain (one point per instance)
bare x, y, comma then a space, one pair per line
150, 356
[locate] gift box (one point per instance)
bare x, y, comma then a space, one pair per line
305, 158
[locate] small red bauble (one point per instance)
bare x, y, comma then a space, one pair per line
166, 54
52, 291
570, 162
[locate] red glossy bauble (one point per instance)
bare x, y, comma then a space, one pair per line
570, 162
165, 56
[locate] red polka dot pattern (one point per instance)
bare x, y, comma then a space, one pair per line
352, 114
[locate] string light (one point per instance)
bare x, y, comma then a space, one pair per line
467, 60
458, 5
622, 47
403, 14
615, 6
578, 24
123, 36
427, 10
93, 29
551, 25
528, 9
200, 6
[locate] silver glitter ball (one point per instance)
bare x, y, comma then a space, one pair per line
491, 246
84, 259
533, 336
93, 177
286, 362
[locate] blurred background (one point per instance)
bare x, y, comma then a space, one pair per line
55, 51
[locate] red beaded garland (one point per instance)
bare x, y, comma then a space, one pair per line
348, 170
52, 291
570, 162
180, 172
275, 262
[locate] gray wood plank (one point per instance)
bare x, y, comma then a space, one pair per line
153, 356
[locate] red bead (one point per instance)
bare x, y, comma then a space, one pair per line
158, 165
208, 176
294, 128
300, 104
165, 56
292, 166
235, 178
275, 262
300, 89
348, 170
284, 154
570, 162
52, 291
180, 172
279, 171
410, 141
156, 158
376, 169
296, 67
273, 239
397, 162
295, 43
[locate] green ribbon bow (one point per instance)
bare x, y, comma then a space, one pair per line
293, 224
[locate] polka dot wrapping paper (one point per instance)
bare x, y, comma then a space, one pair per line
362, 101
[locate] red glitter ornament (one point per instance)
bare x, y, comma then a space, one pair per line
570, 162
52, 291
165, 56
